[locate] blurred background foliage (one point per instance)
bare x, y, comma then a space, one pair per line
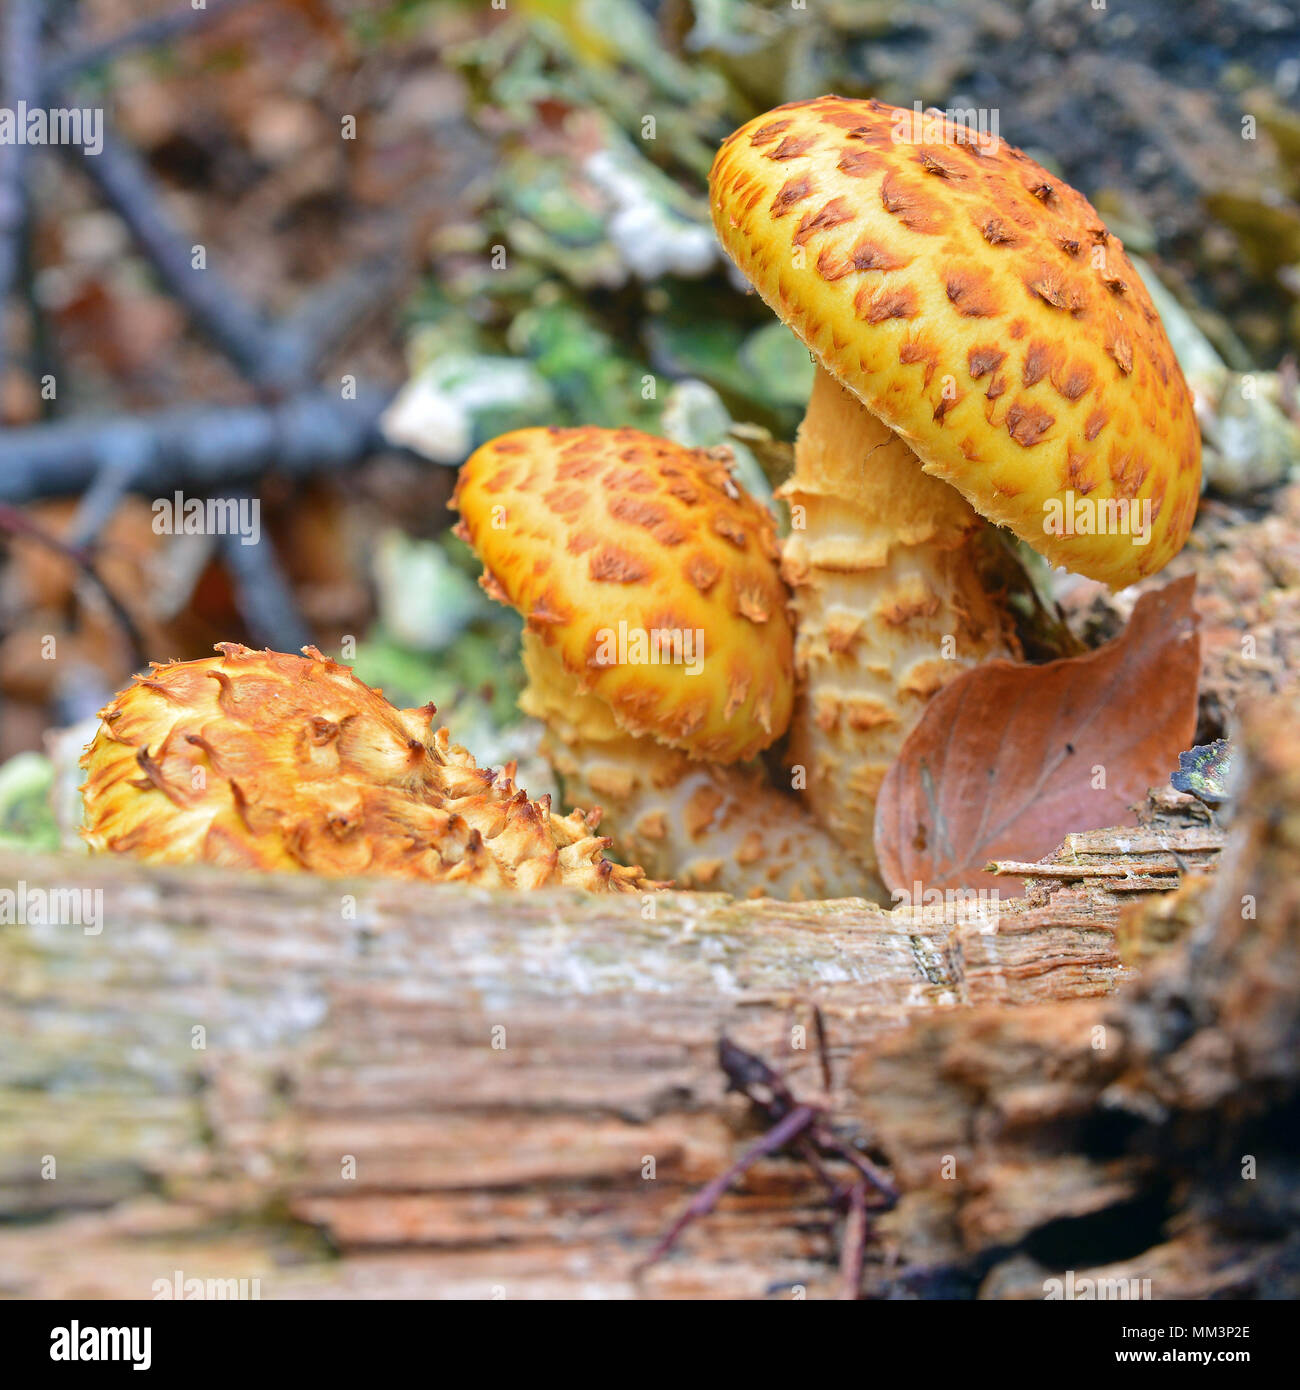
604, 119
539, 170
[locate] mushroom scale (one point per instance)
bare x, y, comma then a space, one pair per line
277, 762
702, 825
890, 604
652, 573
985, 349
610, 542
979, 307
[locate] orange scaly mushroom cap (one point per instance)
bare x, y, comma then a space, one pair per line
632, 557
278, 762
977, 305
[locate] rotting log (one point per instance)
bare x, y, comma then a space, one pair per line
427, 1091
1150, 1139
359, 1019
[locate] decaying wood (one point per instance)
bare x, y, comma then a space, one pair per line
430, 1092
372, 1035
1175, 837
1151, 1136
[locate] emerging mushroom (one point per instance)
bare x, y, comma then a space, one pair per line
985, 350
270, 761
658, 648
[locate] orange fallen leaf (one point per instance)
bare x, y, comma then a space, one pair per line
1007, 758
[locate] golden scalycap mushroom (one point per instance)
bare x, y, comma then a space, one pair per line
979, 307
277, 762
615, 546
703, 825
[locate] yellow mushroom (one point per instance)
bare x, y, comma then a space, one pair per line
270, 761
658, 647
985, 349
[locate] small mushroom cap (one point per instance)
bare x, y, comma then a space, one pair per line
977, 305
652, 573
277, 762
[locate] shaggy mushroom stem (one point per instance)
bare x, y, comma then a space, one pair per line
704, 825
889, 604
977, 306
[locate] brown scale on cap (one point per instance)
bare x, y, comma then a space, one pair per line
270, 761
594, 533
606, 538
702, 825
985, 348
965, 239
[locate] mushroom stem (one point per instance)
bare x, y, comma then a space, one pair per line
889, 604
703, 825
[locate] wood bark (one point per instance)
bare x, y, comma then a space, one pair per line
403, 1091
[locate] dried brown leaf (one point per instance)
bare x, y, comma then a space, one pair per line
1006, 760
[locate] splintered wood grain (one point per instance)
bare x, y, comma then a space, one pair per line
380, 1089
407, 1090
1148, 1137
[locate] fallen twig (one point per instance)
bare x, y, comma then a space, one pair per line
18, 523
803, 1127
1147, 858
147, 34
197, 448
20, 79
1112, 869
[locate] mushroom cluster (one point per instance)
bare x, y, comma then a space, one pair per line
987, 357
985, 350
658, 648
276, 762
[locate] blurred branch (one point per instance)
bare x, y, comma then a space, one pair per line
147, 34
20, 80
198, 448
125, 452
262, 592
124, 182
275, 357
17, 523
329, 313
